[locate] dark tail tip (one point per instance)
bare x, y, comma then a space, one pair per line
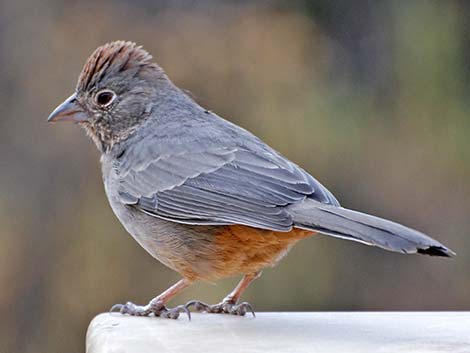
437, 251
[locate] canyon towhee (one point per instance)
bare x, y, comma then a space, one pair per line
200, 194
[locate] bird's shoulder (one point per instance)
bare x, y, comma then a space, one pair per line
197, 149
189, 130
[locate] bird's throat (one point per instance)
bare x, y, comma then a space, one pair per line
104, 137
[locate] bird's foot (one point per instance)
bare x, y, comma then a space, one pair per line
225, 307
155, 307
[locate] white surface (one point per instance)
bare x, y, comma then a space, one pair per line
345, 332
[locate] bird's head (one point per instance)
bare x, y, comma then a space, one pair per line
114, 93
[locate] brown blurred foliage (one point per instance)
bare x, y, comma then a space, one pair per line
371, 98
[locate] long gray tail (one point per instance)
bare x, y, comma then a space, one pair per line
356, 226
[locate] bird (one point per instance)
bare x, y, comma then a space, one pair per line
203, 196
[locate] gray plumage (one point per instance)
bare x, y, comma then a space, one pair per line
190, 166
363, 228
165, 157
203, 196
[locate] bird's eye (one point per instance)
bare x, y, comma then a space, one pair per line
105, 97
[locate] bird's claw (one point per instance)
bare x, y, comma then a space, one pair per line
224, 307
154, 307
131, 309
174, 313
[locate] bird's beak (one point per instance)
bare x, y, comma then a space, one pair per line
69, 110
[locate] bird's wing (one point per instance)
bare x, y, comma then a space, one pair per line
217, 185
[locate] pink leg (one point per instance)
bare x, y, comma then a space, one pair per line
229, 304
157, 305
168, 294
237, 292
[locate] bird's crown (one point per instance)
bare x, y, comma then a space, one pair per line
112, 58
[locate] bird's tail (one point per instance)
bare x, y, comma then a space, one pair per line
356, 226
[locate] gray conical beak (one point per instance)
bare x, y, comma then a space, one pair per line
69, 110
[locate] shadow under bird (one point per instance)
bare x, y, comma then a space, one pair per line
203, 196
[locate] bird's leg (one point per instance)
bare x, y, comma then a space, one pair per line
157, 305
229, 304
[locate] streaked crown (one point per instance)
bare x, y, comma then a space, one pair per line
110, 59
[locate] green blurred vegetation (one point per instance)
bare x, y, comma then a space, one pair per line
371, 97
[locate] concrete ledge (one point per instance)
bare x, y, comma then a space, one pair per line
283, 332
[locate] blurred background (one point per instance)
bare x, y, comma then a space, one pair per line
371, 97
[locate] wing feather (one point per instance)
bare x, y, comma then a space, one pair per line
216, 185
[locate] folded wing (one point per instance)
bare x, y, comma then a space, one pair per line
230, 185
